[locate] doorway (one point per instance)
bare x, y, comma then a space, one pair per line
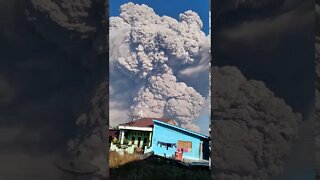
139, 141
132, 140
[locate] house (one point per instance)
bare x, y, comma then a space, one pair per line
167, 138
162, 137
138, 133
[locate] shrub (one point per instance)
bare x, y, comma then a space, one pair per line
114, 140
125, 141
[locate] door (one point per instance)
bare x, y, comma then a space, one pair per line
139, 141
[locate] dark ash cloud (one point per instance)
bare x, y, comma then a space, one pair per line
252, 130
53, 58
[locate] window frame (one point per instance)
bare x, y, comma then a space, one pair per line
185, 145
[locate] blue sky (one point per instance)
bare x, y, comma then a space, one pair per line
173, 8
170, 8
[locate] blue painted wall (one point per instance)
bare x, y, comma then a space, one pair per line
169, 134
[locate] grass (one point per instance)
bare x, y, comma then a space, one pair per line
152, 168
115, 160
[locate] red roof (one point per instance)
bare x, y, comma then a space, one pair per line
147, 122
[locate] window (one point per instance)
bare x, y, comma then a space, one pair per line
186, 146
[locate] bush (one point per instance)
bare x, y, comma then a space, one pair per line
114, 140
125, 141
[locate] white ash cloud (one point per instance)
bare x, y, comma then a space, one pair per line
117, 112
158, 54
146, 100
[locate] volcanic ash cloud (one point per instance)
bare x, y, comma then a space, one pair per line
253, 131
152, 50
317, 108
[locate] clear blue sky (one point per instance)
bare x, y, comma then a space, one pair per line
170, 8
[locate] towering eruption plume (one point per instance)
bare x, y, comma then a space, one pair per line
152, 51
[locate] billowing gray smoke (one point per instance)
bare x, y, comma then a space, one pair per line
317, 107
69, 24
257, 128
77, 28
91, 141
153, 51
317, 94
252, 130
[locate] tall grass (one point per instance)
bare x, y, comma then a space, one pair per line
116, 160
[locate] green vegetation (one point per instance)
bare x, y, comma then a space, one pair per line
125, 142
115, 140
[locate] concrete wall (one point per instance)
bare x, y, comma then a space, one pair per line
128, 149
